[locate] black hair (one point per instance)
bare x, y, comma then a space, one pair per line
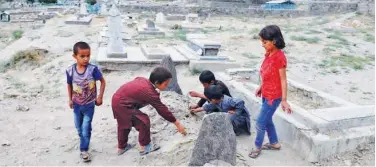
206, 76
273, 33
213, 92
159, 75
80, 45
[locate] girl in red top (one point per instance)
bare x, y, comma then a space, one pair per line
273, 88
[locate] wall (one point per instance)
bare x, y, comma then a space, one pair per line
325, 7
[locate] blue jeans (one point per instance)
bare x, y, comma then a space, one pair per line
83, 115
265, 122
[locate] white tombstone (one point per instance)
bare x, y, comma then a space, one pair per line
115, 47
160, 18
103, 11
83, 10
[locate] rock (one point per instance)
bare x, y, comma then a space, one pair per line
57, 128
170, 65
216, 141
347, 162
64, 34
5, 144
217, 163
22, 108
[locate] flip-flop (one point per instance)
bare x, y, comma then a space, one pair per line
128, 147
254, 153
268, 146
150, 148
85, 159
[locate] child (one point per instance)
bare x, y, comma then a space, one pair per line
82, 91
273, 88
240, 117
132, 96
207, 78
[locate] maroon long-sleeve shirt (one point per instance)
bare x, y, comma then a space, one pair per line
134, 95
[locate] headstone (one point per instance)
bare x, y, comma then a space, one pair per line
103, 11
160, 18
216, 141
192, 18
174, 85
150, 26
83, 9
115, 47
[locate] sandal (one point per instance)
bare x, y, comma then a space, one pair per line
128, 147
149, 148
254, 153
85, 156
268, 146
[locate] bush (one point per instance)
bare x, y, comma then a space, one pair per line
17, 34
91, 2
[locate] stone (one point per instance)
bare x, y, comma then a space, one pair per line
22, 108
207, 47
191, 18
115, 47
154, 52
160, 18
216, 141
150, 26
217, 163
170, 65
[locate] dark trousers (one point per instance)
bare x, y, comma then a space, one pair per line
143, 132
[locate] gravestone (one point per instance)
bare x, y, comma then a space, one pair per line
192, 18
174, 85
216, 141
115, 47
160, 18
150, 26
104, 11
83, 9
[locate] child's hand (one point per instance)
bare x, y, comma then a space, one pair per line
99, 101
180, 128
194, 94
286, 106
70, 104
193, 106
231, 111
258, 92
196, 110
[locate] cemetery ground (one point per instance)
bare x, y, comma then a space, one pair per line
334, 54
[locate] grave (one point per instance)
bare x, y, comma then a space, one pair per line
160, 18
150, 29
83, 18
191, 22
321, 125
204, 54
175, 17
4, 17
115, 56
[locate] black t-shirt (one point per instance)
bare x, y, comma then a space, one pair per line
220, 84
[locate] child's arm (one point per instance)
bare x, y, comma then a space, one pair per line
237, 105
70, 95
101, 92
70, 87
285, 105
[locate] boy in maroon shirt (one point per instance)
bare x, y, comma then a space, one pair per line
134, 95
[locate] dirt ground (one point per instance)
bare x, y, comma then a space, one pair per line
334, 54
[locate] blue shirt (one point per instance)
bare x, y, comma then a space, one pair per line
84, 88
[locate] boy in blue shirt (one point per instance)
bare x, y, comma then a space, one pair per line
219, 102
82, 92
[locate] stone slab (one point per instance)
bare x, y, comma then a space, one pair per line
134, 56
81, 21
142, 31
205, 43
175, 17
112, 54
154, 52
241, 71
211, 65
304, 131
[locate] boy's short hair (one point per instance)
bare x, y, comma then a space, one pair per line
206, 76
80, 45
159, 75
213, 92
273, 33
